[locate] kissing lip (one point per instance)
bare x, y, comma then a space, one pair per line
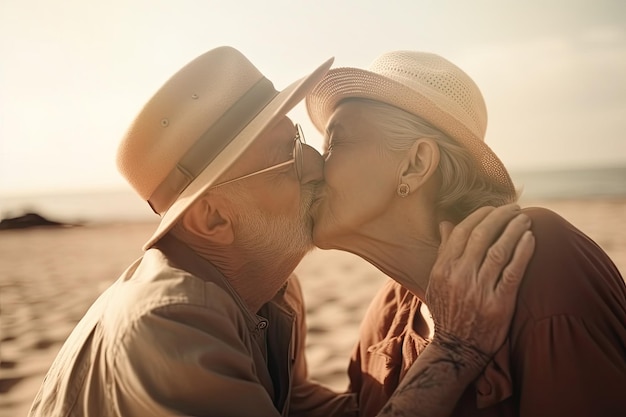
318, 197
313, 205
318, 194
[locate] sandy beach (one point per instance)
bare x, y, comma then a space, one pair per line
50, 276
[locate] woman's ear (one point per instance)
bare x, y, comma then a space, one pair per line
420, 163
208, 220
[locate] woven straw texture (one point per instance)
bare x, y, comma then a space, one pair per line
423, 84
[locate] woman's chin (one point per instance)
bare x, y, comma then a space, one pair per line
319, 239
321, 236
328, 231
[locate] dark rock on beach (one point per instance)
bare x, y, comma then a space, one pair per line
29, 220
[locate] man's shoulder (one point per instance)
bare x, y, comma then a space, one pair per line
156, 287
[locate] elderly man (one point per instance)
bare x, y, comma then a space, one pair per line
210, 321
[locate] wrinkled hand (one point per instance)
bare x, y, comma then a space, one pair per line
473, 286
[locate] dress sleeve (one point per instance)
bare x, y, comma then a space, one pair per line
569, 334
187, 360
569, 367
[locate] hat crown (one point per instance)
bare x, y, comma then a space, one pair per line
442, 82
180, 112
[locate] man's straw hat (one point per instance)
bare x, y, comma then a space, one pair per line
197, 124
423, 84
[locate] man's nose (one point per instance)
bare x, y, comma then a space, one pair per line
312, 165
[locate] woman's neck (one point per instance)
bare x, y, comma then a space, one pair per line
406, 253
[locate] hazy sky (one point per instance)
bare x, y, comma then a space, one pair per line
74, 73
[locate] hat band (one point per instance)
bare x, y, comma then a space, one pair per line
211, 143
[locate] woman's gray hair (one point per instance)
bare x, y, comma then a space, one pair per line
463, 188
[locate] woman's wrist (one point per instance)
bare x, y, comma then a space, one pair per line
465, 358
436, 381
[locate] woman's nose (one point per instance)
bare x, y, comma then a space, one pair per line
312, 165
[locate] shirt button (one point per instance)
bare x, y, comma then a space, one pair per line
262, 325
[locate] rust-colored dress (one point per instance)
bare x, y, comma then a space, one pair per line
566, 351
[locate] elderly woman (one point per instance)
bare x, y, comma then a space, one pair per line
405, 151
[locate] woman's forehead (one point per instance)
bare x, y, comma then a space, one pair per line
345, 115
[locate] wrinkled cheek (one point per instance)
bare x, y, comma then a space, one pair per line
288, 203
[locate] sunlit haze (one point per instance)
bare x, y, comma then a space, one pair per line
75, 73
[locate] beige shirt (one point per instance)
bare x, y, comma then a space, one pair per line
165, 341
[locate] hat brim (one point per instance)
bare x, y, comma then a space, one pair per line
342, 83
279, 106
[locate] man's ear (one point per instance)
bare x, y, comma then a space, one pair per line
209, 220
420, 163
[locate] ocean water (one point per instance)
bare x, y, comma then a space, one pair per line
125, 206
572, 183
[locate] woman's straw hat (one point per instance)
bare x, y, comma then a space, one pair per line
423, 84
197, 124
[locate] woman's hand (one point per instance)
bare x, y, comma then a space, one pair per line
471, 295
474, 281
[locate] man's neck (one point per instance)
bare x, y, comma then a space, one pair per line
257, 282
256, 276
